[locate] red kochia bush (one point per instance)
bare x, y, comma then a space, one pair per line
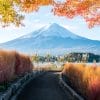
84, 79
7, 65
12, 64
94, 89
23, 64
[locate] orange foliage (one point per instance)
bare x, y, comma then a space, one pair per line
84, 79
88, 9
12, 64
23, 64
33, 5
7, 64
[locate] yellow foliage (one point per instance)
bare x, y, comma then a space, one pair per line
88, 9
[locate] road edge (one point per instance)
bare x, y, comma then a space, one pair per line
66, 88
14, 90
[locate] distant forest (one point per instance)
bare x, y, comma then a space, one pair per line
71, 57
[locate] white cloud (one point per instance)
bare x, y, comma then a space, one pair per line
48, 14
36, 20
70, 27
38, 25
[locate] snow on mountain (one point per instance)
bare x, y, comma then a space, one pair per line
52, 30
52, 38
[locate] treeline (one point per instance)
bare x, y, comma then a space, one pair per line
71, 57
82, 57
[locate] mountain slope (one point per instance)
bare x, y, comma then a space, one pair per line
52, 38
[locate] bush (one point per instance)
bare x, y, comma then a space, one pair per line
23, 64
12, 64
84, 79
7, 65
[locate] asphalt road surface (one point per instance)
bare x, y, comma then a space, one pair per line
45, 87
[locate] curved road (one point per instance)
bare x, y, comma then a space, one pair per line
45, 87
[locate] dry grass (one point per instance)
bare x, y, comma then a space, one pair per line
12, 64
84, 79
7, 64
23, 64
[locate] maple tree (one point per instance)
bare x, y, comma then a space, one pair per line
10, 10
88, 9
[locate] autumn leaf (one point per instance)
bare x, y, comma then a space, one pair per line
88, 9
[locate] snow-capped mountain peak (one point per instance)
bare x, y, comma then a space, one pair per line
52, 36
54, 30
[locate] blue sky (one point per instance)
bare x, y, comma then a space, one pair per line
43, 17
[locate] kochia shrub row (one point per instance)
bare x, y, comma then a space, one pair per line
84, 79
13, 63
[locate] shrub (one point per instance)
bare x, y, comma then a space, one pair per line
23, 64
12, 64
84, 79
7, 63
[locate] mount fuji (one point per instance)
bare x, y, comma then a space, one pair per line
54, 39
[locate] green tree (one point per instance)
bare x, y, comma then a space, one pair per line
48, 57
35, 58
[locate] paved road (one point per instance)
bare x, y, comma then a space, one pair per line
45, 87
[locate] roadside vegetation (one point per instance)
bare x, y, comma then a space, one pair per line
84, 79
13, 65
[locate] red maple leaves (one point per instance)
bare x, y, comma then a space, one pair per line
88, 9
